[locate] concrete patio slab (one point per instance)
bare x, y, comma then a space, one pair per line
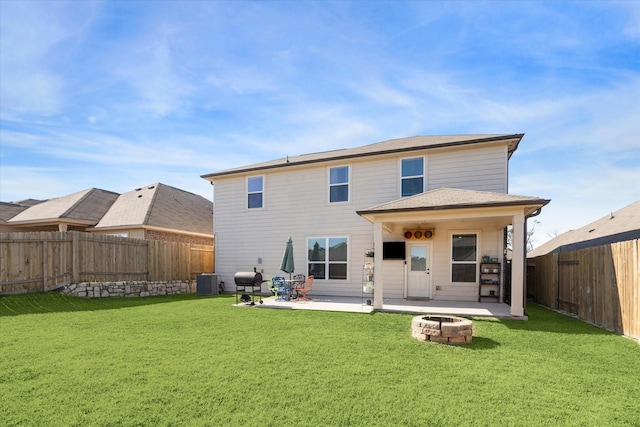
356, 305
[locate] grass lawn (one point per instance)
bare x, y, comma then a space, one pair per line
198, 361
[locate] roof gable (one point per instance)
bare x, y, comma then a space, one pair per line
399, 145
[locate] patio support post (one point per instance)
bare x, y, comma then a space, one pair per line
517, 266
378, 285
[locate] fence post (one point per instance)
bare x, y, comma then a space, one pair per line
555, 274
75, 260
44, 265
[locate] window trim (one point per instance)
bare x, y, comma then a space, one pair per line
423, 176
478, 235
329, 184
327, 262
248, 193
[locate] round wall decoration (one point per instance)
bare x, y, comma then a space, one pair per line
424, 234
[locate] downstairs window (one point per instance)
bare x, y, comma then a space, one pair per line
327, 257
464, 258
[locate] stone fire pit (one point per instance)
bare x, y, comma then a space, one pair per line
444, 329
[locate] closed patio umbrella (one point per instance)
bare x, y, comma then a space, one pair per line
287, 259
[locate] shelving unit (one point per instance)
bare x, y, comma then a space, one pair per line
489, 289
367, 278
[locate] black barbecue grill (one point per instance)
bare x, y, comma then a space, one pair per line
248, 279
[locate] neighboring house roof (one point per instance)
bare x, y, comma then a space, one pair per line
28, 202
160, 206
82, 208
618, 226
454, 198
386, 147
8, 210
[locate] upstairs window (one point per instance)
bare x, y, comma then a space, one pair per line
339, 184
464, 258
328, 257
412, 176
255, 192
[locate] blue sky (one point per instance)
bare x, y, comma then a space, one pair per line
117, 95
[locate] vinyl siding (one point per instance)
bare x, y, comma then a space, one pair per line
296, 204
482, 169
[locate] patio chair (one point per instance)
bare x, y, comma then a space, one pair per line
279, 287
298, 281
301, 290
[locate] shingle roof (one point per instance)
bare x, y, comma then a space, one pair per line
84, 207
623, 224
453, 198
28, 202
385, 147
160, 205
9, 210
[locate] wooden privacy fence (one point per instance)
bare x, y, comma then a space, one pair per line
42, 261
600, 285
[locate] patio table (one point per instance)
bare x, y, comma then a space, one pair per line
291, 284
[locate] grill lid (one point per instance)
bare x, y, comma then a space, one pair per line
248, 278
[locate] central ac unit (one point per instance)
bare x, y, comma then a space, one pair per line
207, 284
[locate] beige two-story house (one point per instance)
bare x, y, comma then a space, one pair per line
432, 212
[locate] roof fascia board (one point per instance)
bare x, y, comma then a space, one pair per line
150, 227
533, 203
176, 231
599, 241
52, 221
452, 212
517, 137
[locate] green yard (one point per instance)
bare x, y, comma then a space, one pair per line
198, 361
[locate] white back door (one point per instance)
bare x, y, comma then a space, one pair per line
419, 266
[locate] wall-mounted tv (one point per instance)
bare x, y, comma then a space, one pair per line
393, 250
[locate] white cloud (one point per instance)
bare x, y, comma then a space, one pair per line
73, 146
631, 12
32, 37
19, 183
580, 192
151, 71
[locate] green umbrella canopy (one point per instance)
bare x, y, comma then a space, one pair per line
287, 259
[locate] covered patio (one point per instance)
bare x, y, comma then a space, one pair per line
393, 305
485, 215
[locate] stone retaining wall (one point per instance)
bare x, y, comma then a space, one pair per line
129, 289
